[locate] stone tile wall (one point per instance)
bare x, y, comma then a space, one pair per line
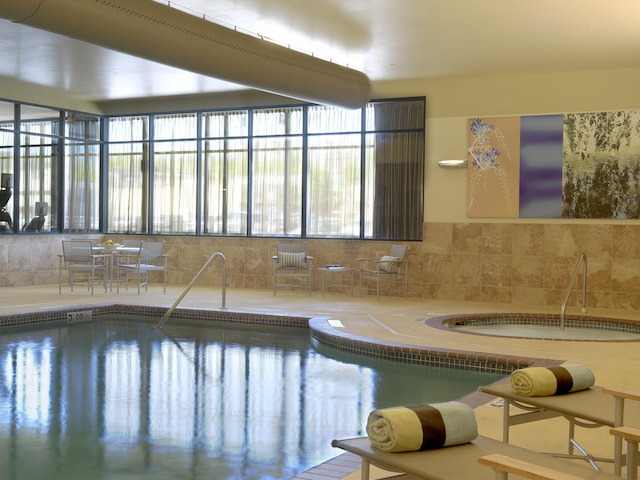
518, 263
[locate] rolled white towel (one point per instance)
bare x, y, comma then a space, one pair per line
421, 427
544, 381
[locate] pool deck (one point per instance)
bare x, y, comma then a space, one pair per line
399, 321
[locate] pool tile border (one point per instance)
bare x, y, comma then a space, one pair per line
324, 333
60, 315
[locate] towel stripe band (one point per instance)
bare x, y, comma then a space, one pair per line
434, 432
563, 378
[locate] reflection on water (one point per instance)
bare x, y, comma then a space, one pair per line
116, 399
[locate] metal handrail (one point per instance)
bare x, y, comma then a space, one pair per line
166, 316
582, 260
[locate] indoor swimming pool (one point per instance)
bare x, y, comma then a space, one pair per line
115, 398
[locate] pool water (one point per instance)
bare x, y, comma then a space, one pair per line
117, 399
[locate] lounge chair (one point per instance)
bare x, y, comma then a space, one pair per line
503, 465
460, 462
591, 408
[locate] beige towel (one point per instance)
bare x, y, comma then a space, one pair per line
543, 381
421, 427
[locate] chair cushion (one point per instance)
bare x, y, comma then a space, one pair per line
291, 260
389, 264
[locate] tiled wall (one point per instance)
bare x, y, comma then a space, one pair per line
512, 263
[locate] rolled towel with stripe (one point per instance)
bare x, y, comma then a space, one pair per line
421, 427
545, 381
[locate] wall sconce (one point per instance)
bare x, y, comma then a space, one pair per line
454, 163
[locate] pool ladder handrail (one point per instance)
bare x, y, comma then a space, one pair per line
582, 261
166, 316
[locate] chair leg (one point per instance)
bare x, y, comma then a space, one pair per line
406, 286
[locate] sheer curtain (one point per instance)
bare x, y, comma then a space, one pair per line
38, 169
277, 172
175, 173
128, 183
334, 172
225, 172
82, 174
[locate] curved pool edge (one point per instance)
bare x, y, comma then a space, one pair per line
449, 322
328, 335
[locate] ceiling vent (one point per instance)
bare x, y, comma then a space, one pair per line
157, 32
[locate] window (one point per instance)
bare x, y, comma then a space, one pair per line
397, 161
277, 179
303, 171
56, 172
82, 174
128, 174
225, 172
174, 173
40, 159
7, 134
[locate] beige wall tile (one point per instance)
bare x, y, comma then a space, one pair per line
494, 262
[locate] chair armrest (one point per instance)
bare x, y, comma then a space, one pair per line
626, 432
364, 261
623, 393
504, 463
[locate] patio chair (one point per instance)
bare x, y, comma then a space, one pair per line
150, 258
385, 270
78, 257
292, 262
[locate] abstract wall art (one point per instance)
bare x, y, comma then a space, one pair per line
583, 165
494, 167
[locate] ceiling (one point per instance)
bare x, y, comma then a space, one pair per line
385, 39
